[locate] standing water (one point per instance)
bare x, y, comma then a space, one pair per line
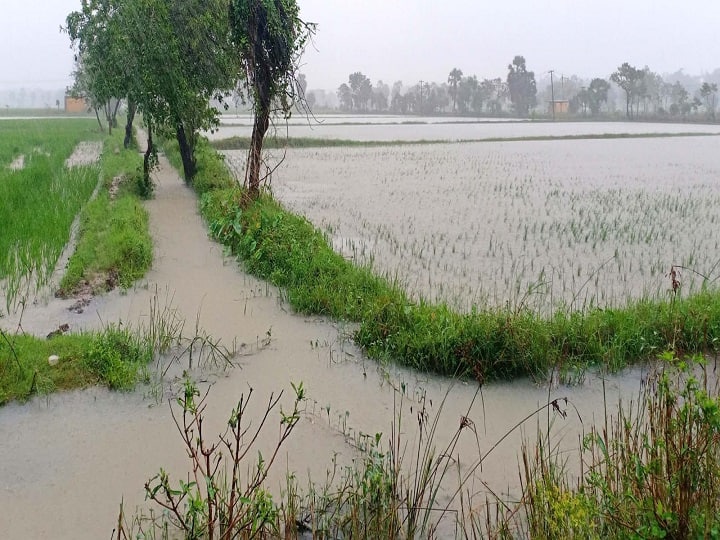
68, 460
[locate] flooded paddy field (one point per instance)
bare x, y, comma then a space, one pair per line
542, 224
77, 455
408, 128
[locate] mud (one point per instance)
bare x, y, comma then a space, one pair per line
67, 460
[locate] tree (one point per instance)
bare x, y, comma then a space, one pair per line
522, 87
361, 89
101, 74
311, 99
453, 79
597, 94
681, 104
167, 58
708, 92
344, 94
380, 95
629, 79
270, 37
180, 53
494, 92
467, 95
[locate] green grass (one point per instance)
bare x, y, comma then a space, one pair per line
114, 357
114, 238
39, 203
651, 469
212, 173
243, 143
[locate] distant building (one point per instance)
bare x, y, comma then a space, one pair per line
559, 106
76, 104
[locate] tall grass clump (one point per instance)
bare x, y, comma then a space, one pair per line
651, 470
115, 357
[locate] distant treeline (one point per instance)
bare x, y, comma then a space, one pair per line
629, 91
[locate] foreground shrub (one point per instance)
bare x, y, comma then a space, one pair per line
652, 470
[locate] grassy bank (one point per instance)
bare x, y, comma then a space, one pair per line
114, 247
485, 344
114, 357
651, 470
243, 143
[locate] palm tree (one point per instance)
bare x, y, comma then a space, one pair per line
453, 79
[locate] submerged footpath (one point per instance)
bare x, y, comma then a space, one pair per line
67, 460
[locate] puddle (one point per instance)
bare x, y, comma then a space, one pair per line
85, 153
77, 455
18, 164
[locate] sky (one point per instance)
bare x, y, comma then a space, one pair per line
413, 40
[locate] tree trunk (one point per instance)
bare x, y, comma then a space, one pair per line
97, 115
187, 152
114, 113
260, 127
148, 155
108, 117
628, 112
132, 108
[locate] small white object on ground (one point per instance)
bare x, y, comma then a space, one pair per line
53, 359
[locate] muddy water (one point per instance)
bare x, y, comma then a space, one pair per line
67, 460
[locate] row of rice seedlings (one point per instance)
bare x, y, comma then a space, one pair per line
508, 226
39, 202
41, 137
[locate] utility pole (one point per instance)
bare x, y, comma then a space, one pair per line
421, 109
552, 94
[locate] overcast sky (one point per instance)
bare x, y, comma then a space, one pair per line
410, 40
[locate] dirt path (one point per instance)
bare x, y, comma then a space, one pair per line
67, 460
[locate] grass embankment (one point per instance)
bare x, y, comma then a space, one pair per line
114, 357
486, 344
114, 247
243, 143
114, 240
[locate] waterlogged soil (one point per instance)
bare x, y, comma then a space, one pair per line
540, 224
68, 460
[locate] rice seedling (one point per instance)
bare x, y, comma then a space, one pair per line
39, 202
483, 224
